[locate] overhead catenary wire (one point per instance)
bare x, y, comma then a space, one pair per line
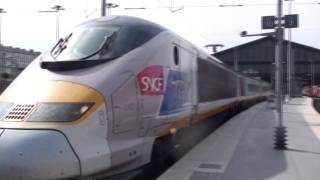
183, 21
198, 31
163, 6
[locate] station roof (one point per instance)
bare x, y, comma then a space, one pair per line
265, 40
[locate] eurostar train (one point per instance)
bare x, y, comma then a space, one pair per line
106, 95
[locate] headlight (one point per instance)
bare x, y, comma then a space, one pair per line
59, 112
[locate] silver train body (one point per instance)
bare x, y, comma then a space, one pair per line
99, 99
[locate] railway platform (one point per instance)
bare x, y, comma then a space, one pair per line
242, 148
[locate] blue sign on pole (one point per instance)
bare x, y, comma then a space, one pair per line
268, 22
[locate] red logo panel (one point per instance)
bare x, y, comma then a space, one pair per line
150, 81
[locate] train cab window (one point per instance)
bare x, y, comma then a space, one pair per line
176, 56
97, 41
75, 44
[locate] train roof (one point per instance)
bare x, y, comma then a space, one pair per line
127, 21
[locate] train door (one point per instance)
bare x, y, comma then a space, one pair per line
180, 84
125, 107
188, 70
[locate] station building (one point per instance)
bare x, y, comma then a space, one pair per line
257, 59
12, 62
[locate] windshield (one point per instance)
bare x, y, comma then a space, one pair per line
82, 42
98, 41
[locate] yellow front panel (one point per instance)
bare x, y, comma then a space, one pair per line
53, 92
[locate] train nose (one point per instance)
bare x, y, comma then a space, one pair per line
36, 154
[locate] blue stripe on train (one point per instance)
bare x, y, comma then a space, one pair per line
176, 93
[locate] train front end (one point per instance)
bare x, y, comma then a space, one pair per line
52, 130
53, 118
56, 117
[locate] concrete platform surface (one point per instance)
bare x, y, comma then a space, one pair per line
242, 149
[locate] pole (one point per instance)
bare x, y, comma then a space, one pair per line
312, 63
311, 72
278, 50
103, 7
1, 12
236, 68
0, 26
235, 60
56, 9
280, 130
289, 56
109, 6
57, 25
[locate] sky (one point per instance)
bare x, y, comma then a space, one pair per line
199, 21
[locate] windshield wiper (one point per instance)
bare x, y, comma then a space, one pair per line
80, 63
60, 46
106, 45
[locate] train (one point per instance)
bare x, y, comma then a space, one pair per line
311, 91
105, 97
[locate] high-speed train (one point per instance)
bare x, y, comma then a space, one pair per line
106, 96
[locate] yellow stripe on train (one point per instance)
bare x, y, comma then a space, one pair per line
52, 92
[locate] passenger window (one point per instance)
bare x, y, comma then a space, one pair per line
176, 56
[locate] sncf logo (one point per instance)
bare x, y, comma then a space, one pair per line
151, 81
